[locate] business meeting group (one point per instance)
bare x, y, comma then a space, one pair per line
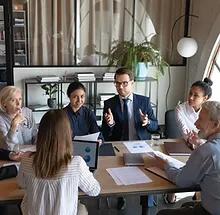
52, 175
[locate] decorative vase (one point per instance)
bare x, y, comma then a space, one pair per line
140, 71
51, 102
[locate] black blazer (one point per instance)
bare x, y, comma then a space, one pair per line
7, 171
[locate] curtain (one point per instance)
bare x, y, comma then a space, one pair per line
98, 24
163, 14
51, 32
101, 23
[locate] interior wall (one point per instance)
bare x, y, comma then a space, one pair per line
205, 31
36, 94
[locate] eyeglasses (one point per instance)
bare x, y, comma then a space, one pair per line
123, 84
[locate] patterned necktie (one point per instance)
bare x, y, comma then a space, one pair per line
125, 135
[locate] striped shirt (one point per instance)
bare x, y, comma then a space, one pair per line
59, 195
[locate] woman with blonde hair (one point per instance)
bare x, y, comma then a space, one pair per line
17, 124
51, 175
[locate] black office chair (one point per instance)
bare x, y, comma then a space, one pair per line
171, 129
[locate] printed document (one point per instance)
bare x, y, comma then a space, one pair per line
128, 175
89, 137
138, 147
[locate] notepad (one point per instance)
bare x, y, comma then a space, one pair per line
133, 159
177, 148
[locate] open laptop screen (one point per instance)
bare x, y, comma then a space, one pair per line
88, 150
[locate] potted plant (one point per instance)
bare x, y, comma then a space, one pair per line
136, 56
51, 90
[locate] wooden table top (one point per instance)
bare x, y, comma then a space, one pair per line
9, 190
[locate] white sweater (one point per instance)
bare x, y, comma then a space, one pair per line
59, 195
26, 132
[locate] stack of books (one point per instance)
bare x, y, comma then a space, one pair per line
85, 76
108, 76
19, 22
48, 78
105, 96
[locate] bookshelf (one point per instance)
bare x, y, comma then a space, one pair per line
19, 36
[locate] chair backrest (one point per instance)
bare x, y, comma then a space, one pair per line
171, 129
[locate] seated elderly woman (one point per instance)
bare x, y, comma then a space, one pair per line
17, 125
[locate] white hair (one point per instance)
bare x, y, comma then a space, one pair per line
214, 109
6, 94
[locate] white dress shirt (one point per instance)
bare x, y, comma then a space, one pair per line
58, 195
186, 117
131, 123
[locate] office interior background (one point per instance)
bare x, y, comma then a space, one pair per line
71, 25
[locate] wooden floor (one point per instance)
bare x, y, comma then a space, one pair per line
100, 207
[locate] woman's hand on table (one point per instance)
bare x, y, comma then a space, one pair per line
15, 156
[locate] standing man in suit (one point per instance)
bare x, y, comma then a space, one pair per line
127, 116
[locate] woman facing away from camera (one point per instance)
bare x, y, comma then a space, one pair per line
17, 124
51, 176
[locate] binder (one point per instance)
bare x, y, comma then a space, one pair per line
177, 148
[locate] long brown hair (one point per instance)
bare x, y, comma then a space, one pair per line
54, 144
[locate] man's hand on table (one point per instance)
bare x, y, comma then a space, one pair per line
161, 162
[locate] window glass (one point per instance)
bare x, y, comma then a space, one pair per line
81, 32
215, 77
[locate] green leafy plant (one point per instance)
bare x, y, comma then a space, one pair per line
50, 89
128, 54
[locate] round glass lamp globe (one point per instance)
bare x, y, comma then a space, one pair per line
187, 47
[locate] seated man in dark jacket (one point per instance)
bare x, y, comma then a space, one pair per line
9, 171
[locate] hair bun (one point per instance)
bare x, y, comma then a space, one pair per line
208, 81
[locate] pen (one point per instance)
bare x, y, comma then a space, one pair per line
116, 149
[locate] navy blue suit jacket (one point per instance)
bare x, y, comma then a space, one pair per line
139, 102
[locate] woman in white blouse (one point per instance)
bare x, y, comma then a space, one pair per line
51, 176
188, 112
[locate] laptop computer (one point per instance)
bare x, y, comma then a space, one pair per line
89, 151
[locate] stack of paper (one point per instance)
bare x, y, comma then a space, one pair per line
108, 76
88, 137
48, 78
128, 175
84, 76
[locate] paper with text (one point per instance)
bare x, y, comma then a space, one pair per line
161, 172
138, 147
177, 163
128, 175
89, 137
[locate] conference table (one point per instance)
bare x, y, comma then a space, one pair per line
11, 193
